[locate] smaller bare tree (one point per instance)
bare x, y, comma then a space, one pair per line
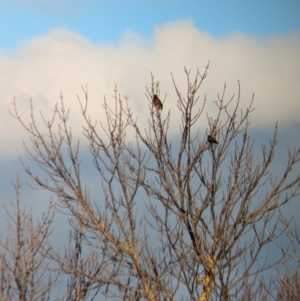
288, 288
82, 266
23, 271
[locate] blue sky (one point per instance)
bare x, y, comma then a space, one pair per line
105, 21
48, 47
51, 46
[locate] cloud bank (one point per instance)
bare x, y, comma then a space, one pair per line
63, 61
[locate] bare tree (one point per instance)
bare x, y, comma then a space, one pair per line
288, 277
23, 266
82, 265
289, 286
186, 218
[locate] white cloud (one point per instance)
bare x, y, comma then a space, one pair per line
64, 60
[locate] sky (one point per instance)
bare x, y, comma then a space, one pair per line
48, 47
51, 47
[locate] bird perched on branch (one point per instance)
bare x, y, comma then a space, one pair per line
211, 140
157, 103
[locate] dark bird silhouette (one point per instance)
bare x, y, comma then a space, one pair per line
211, 140
157, 103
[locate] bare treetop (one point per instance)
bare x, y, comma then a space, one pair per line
173, 219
